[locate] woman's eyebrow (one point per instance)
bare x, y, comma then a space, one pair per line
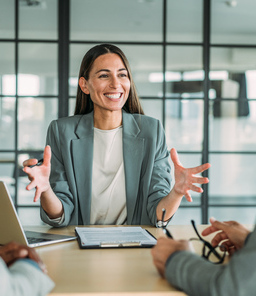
107, 70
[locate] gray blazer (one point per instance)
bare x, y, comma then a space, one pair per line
198, 277
146, 164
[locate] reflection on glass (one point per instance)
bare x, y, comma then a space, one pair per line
169, 76
29, 85
38, 19
184, 215
232, 179
233, 127
29, 216
37, 69
244, 215
7, 24
7, 123
184, 124
153, 108
239, 80
225, 27
9, 85
34, 116
120, 20
250, 78
7, 69
186, 63
7, 173
184, 20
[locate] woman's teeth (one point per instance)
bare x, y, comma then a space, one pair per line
113, 96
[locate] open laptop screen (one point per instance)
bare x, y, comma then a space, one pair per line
12, 230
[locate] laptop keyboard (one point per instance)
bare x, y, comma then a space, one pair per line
34, 240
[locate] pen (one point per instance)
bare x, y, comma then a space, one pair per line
40, 162
165, 230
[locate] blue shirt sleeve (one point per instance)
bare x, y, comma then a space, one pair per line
32, 262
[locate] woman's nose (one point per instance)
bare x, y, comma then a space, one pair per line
114, 82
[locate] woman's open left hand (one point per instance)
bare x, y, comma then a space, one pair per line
185, 178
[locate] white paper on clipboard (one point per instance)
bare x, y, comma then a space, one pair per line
100, 237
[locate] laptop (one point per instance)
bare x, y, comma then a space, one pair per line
12, 230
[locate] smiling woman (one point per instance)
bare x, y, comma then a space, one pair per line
110, 163
107, 62
108, 86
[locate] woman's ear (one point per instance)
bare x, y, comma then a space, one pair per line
83, 85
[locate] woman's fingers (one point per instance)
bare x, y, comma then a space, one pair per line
196, 188
47, 155
200, 180
31, 185
37, 195
188, 197
200, 168
174, 157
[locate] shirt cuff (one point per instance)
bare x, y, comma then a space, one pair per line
58, 220
31, 262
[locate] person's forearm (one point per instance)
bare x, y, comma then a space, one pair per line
171, 202
51, 204
193, 274
199, 277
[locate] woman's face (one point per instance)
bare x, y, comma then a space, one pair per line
108, 83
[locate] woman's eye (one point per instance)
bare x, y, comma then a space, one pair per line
123, 75
103, 76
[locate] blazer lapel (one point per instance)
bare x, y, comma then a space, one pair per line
133, 151
82, 151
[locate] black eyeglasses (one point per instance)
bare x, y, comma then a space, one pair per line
163, 225
214, 254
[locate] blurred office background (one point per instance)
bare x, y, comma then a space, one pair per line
194, 64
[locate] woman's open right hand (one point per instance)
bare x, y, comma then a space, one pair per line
39, 175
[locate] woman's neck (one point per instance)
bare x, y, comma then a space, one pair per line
108, 120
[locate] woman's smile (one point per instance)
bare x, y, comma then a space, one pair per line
113, 96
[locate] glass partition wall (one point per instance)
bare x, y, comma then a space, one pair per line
194, 67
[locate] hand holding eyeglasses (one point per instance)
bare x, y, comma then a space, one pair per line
215, 254
165, 246
231, 234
